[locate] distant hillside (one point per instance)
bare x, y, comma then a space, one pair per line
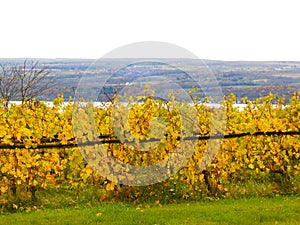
244, 78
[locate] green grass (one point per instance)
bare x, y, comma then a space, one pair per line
277, 210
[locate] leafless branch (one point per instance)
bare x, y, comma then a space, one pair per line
24, 82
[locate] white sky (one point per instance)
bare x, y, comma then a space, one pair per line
211, 29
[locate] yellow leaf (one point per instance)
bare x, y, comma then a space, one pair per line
4, 189
2, 132
110, 187
251, 166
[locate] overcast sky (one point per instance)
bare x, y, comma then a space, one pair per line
211, 29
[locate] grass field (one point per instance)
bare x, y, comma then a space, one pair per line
277, 210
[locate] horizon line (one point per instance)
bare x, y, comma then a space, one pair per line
123, 58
